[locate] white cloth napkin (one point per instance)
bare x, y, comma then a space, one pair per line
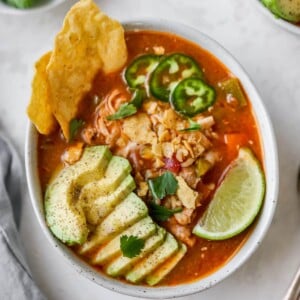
16, 282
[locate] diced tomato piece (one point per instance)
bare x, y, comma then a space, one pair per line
172, 164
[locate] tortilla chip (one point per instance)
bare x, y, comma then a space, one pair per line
39, 110
89, 41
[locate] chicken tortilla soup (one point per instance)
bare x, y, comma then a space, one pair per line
154, 175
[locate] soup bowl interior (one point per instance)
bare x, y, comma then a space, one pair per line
270, 166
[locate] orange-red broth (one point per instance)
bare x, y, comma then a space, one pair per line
205, 256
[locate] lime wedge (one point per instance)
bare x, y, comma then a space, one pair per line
237, 200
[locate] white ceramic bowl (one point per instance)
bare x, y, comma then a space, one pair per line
270, 165
280, 22
41, 6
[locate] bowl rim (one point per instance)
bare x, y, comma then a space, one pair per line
289, 26
270, 158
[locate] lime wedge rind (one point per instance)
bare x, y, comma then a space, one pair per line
237, 200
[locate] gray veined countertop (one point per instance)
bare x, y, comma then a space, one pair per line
271, 57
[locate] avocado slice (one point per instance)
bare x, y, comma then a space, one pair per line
98, 209
122, 264
125, 214
97, 190
285, 9
154, 260
64, 217
161, 272
142, 229
117, 169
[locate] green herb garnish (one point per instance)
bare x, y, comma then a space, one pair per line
131, 246
193, 126
75, 125
130, 108
124, 111
164, 185
162, 213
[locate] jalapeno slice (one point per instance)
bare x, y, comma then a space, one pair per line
138, 71
192, 96
169, 72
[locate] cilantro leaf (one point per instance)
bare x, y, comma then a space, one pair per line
164, 185
131, 246
193, 126
124, 111
130, 108
162, 213
75, 124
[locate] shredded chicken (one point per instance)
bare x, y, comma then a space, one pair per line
172, 202
89, 134
182, 153
189, 148
212, 157
72, 153
206, 122
188, 162
182, 232
185, 216
189, 175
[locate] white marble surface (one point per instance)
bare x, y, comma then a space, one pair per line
270, 55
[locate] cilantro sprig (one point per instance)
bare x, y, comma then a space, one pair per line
193, 126
160, 187
75, 125
125, 110
130, 108
163, 185
162, 213
131, 246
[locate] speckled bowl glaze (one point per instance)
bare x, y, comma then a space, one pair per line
280, 22
270, 166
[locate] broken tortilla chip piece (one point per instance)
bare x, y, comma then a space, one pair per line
39, 110
88, 42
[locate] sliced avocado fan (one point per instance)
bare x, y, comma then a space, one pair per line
64, 216
97, 192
